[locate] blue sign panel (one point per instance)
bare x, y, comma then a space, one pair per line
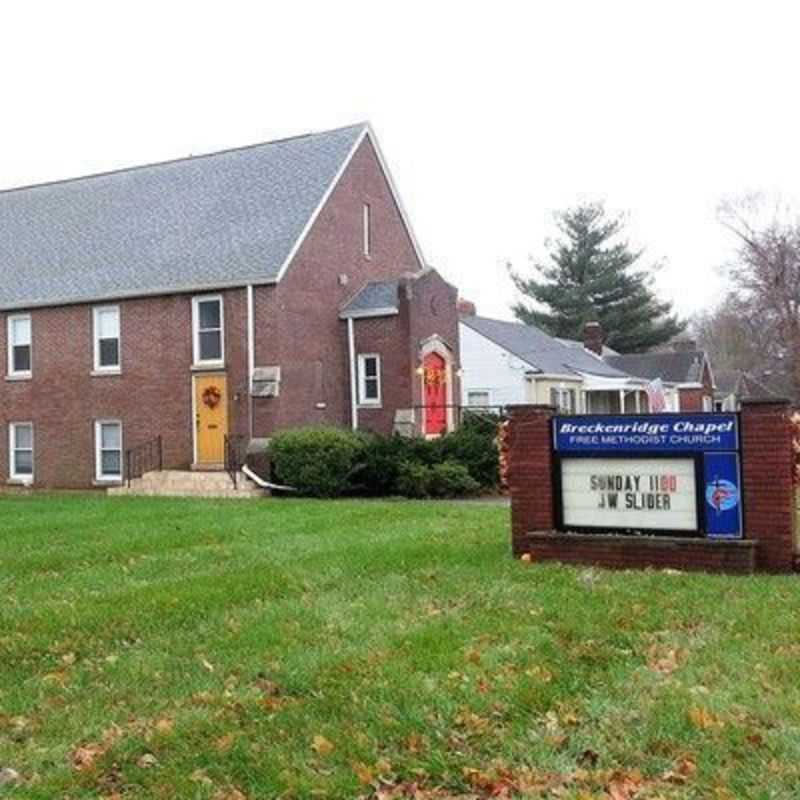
687, 433
722, 495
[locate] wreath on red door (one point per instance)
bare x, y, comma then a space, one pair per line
434, 377
212, 396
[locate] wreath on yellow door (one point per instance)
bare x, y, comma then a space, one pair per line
212, 396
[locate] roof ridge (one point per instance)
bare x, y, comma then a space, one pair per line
178, 160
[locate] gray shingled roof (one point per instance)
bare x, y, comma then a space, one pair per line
679, 366
544, 353
225, 219
375, 296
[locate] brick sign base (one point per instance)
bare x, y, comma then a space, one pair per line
767, 483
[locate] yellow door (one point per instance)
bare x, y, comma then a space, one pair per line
211, 417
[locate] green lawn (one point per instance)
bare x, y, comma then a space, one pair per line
178, 648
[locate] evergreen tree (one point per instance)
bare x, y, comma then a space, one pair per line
591, 276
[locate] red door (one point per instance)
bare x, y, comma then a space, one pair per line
435, 388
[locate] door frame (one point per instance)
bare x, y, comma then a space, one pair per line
435, 344
205, 374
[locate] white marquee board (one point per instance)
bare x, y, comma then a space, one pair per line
635, 493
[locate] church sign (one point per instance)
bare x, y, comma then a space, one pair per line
676, 473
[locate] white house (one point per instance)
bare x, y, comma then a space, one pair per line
505, 363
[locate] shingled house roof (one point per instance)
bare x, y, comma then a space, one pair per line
225, 219
543, 353
679, 366
374, 298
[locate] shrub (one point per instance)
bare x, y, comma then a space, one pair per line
381, 460
451, 479
318, 462
413, 479
474, 445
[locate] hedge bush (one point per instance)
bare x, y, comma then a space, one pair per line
318, 462
328, 462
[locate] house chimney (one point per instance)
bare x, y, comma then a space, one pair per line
593, 337
466, 308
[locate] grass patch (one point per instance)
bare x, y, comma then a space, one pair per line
181, 648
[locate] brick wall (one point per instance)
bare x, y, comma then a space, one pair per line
637, 552
151, 396
530, 472
691, 399
427, 307
297, 321
767, 465
297, 327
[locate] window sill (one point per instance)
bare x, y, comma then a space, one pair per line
102, 373
27, 482
22, 376
212, 366
107, 482
367, 406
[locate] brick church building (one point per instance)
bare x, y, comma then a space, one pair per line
243, 292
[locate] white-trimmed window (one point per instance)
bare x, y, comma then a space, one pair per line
563, 400
366, 229
106, 338
108, 450
369, 379
478, 398
208, 322
20, 451
20, 364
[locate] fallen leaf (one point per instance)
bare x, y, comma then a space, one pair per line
322, 746
83, 758
224, 743
9, 776
363, 773
703, 719
147, 761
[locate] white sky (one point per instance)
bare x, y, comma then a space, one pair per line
491, 115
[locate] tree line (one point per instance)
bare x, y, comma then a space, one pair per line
591, 272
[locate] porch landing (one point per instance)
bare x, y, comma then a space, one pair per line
186, 483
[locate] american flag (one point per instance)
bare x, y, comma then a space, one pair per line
655, 396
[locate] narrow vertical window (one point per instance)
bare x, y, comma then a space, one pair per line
19, 346
367, 232
21, 451
108, 450
369, 380
208, 324
106, 339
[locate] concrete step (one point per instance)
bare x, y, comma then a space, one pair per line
180, 483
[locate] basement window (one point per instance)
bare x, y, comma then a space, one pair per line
19, 346
369, 379
21, 451
108, 450
207, 330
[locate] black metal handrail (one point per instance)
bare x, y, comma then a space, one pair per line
235, 453
145, 457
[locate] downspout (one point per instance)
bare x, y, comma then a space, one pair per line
251, 355
351, 351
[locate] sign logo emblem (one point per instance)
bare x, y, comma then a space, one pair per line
722, 495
